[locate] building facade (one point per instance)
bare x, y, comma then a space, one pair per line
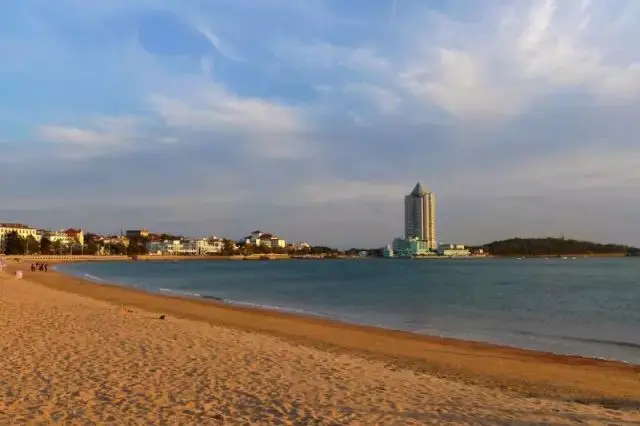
262, 239
199, 247
453, 250
137, 233
411, 247
65, 237
420, 216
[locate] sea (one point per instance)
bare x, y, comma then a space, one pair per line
581, 306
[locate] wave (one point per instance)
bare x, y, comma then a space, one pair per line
92, 277
217, 299
179, 292
277, 308
605, 342
620, 343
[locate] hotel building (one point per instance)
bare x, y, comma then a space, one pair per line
420, 216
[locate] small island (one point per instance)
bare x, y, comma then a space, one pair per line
536, 247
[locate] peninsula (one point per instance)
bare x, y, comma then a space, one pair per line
536, 247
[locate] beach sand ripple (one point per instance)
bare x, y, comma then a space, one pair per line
68, 359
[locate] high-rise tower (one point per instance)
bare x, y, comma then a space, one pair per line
420, 216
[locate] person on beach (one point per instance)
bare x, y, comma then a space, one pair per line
33, 267
46, 267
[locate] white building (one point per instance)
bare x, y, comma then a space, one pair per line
453, 250
23, 231
258, 238
197, 247
65, 237
301, 246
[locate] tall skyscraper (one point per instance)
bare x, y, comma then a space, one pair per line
420, 216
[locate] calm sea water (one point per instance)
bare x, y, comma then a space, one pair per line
589, 307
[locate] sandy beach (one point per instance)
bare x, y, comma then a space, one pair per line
80, 353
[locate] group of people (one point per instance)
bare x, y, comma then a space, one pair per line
39, 267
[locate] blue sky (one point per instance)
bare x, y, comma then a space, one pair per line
313, 119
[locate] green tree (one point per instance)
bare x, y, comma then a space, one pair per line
32, 245
92, 247
132, 250
13, 244
265, 249
248, 249
45, 245
118, 249
228, 248
56, 247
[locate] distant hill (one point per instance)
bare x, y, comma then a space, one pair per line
554, 247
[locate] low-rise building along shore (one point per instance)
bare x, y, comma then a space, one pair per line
188, 247
262, 239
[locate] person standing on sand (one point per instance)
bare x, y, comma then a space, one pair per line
46, 267
33, 267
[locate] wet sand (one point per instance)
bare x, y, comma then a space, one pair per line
100, 353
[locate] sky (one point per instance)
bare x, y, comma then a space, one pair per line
313, 119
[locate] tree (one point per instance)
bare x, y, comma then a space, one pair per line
13, 244
117, 249
32, 246
132, 250
45, 245
248, 249
76, 248
92, 247
56, 247
265, 249
228, 248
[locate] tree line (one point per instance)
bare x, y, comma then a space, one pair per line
553, 247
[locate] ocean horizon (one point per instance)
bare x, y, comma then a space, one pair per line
586, 306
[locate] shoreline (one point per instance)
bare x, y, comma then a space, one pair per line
524, 371
308, 314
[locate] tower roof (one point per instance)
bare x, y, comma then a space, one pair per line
418, 191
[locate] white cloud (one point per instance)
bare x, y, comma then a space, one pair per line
105, 135
498, 68
267, 128
329, 56
460, 83
558, 48
386, 101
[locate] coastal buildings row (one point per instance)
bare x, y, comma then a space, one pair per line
145, 242
215, 245
64, 237
415, 247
